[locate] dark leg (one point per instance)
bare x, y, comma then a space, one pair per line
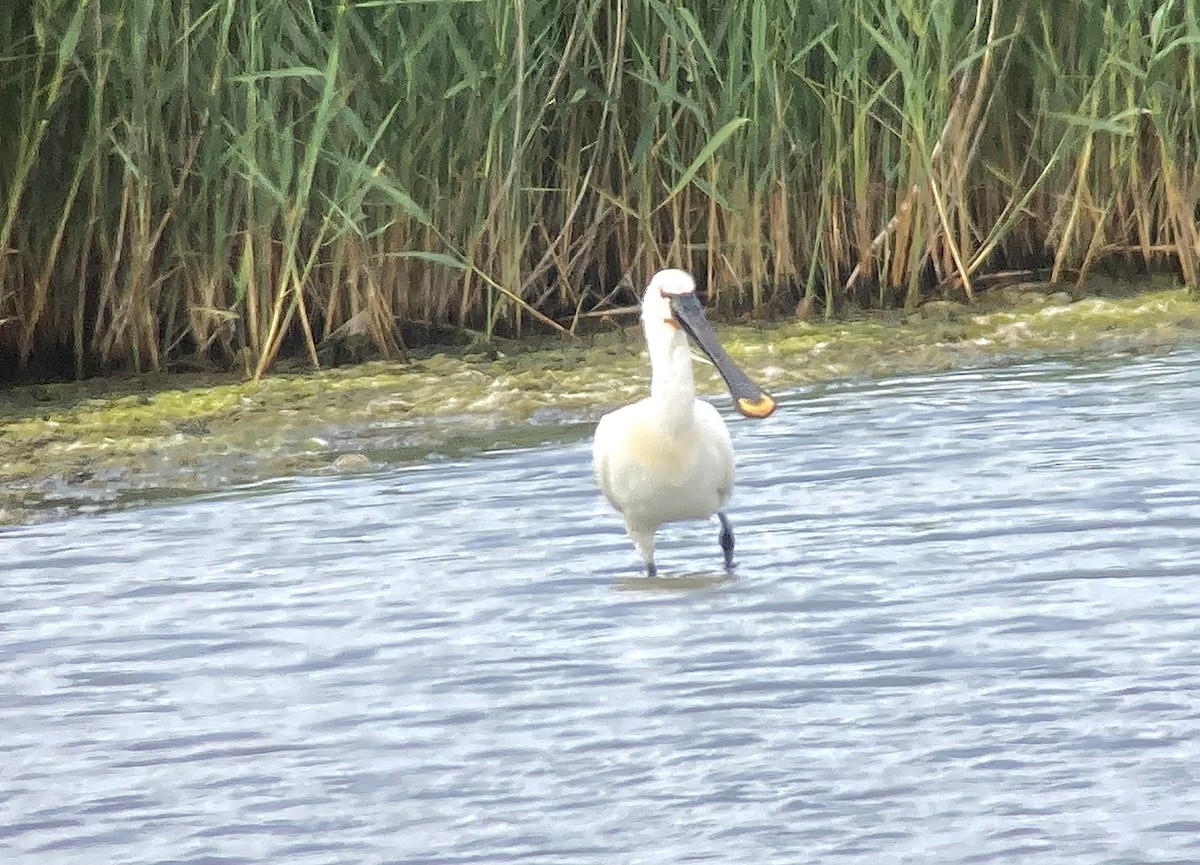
651, 571
726, 539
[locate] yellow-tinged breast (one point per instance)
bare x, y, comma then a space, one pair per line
657, 453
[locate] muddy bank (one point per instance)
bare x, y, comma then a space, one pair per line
99, 444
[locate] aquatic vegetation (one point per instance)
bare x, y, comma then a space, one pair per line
198, 184
90, 443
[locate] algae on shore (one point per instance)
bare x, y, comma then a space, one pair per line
67, 447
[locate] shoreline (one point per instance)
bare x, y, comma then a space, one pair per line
108, 443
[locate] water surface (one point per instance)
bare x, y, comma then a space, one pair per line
962, 629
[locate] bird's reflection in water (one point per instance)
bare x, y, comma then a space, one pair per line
668, 583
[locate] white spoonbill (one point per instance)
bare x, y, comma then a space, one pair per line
668, 457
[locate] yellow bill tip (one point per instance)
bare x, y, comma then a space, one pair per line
756, 408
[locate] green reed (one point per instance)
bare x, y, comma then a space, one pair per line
238, 180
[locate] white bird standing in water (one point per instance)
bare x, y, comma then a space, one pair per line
668, 457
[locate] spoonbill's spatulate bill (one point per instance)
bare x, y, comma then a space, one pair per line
668, 457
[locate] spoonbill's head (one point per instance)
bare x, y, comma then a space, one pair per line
658, 316
669, 306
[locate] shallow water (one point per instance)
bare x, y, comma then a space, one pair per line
962, 629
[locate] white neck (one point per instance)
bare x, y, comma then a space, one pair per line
671, 385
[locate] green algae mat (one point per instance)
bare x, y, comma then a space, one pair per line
91, 445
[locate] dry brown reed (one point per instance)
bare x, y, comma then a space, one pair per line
211, 179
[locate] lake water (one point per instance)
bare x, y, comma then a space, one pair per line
963, 628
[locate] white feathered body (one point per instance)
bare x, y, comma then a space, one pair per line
652, 475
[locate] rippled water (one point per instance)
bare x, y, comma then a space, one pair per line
963, 629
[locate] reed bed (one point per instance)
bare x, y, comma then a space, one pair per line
235, 180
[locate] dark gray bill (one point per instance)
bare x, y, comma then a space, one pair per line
749, 398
